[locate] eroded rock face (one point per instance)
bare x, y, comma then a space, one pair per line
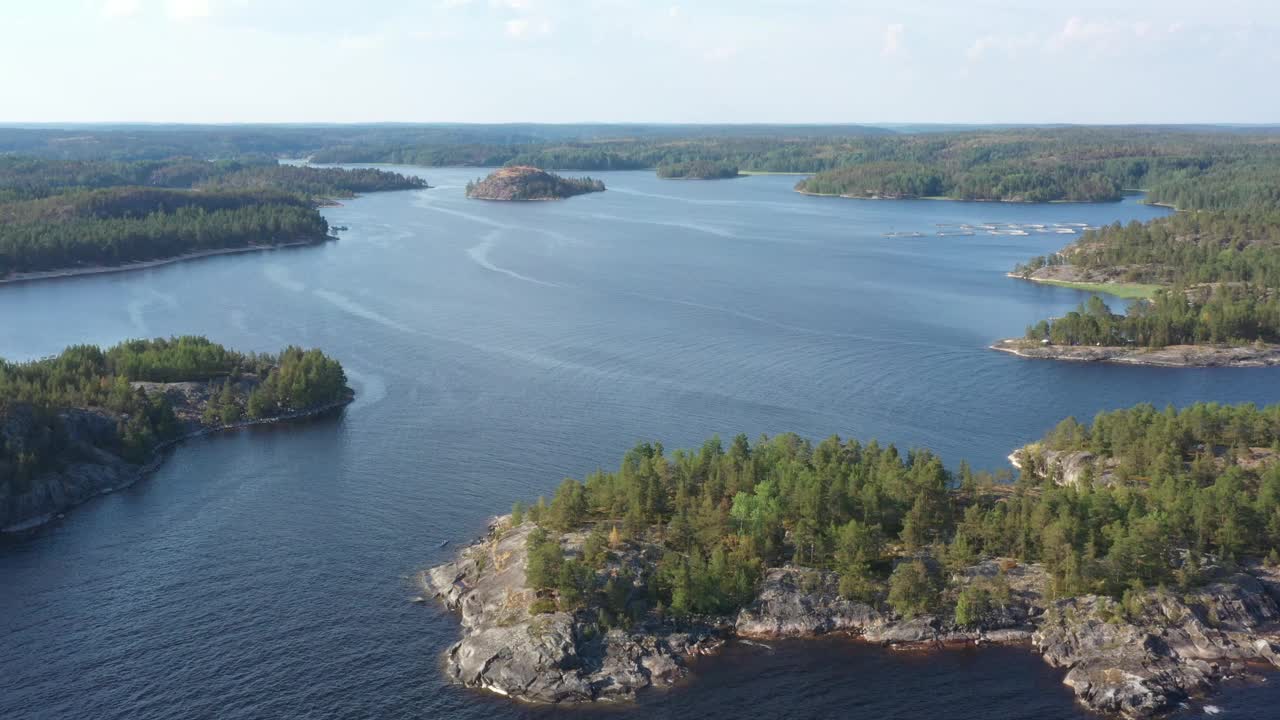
548, 657
1178, 645
1063, 467
800, 602
93, 463
92, 471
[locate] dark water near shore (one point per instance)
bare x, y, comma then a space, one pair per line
496, 348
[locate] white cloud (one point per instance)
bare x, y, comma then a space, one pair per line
185, 10
1078, 31
120, 8
525, 27
1010, 45
673, 11
1107, 35
893, 40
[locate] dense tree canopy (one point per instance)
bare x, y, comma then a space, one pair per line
888, 522
36, 398
120, 225
1239, 246
1174, 317
26, 178
698, 170
64, 214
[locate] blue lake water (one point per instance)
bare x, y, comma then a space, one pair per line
496, 348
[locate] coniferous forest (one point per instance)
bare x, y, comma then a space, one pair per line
65, 214
1162, 481
40, 401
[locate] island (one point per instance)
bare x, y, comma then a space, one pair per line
63, 218
1248, 355
522, 182
1148, 573
698, 170
1204, 289
90, 421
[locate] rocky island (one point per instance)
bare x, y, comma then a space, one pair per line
617, 582
522, 182
91, 421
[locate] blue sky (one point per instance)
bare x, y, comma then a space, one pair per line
640, 61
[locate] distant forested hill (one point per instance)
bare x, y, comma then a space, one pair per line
69, 214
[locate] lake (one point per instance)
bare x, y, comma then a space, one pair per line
495, 349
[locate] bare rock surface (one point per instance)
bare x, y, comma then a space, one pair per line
1177, 646
1253, 355
799, 602
1133, 663
522, 182
548, 657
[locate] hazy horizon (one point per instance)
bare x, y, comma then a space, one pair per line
989, 62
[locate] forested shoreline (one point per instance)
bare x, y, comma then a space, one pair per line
66, 215
1217, 260
888, 522
1142, 524
114, 407
698, 170
1226, 315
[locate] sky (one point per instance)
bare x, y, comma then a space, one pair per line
695, 61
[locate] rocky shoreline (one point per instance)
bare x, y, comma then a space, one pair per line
1256, 355
1134, 661
524, 183
102, 473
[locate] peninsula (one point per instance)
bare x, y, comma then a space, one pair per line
1149, 574
522, 182
1205, 288
90, 421
62, 218
1209, 325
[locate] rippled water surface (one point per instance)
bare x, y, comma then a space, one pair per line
495, 349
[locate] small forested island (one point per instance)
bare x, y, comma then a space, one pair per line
61, 218
698, 170
90, 421
1207, 281
522, 182
1139, 553
1202, 327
